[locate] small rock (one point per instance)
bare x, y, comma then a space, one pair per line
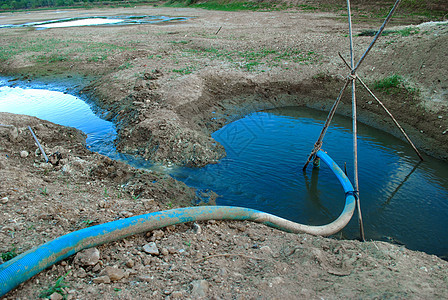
200, 288
81, 273
4, 200
96, 268
266, 249
196, 228
145, 278
114, 273
164, 252
177, 294
88, 257
277, 281
126, 214
46, 166
130, 263
24, 154
157, 234
56, 296
102, 279
151, 248
13, 134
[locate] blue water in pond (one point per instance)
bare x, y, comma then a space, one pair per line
402, 200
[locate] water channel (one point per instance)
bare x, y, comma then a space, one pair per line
403, 200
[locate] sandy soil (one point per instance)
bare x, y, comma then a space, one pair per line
168, 87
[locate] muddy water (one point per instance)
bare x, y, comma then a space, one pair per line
403, 200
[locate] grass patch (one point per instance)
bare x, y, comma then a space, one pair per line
125, 66
55, 51
394, 84
57, 287
388, 83
9, 255
250, 60
184, 71
179, 42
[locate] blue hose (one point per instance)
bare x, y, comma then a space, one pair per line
30, 263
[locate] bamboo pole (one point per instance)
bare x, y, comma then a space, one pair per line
386, 110
376, 36
355, 131
318, 143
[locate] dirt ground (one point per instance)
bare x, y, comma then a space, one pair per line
168, 87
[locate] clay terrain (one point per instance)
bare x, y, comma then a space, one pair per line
168, 87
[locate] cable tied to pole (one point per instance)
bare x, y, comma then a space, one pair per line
352, 76
354, 193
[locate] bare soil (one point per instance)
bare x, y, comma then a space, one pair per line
168, 87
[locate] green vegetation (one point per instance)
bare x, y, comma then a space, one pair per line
125, 66
388, 83
43, 191
252, 60
33, 4
365, 10
394, 84
135, 197
9, 255
56, 288
184, 71
88, 223
55, 50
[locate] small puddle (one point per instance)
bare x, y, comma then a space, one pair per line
403, 200
96, 21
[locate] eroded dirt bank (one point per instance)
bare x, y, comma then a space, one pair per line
168, 87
